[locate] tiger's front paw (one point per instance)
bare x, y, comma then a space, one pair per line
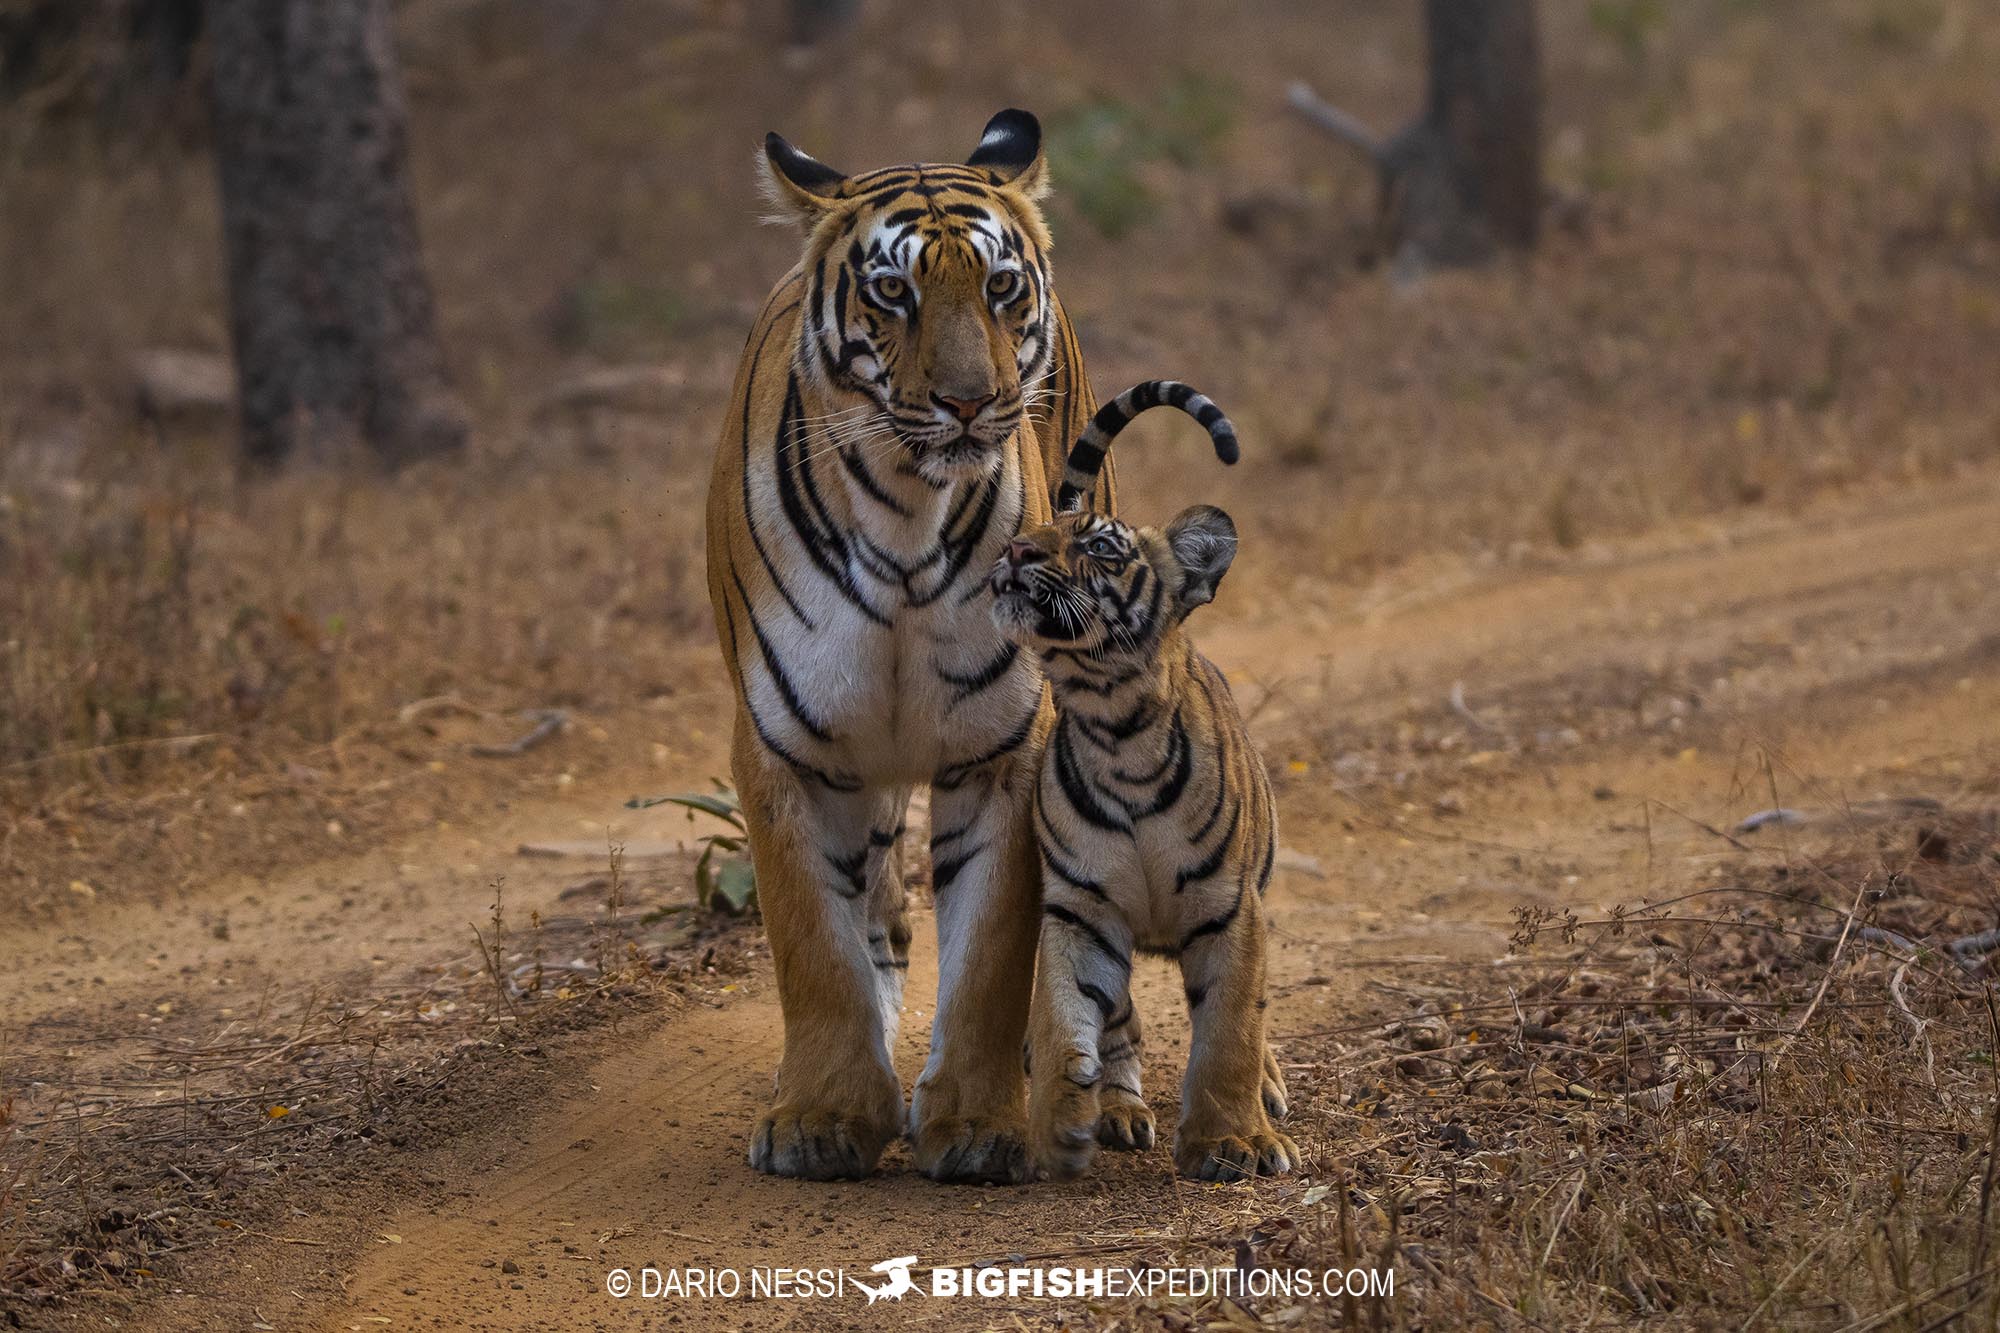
1254, 1152
818, 1143
1125, 1124
973, 1150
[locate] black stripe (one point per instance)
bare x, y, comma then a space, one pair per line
1056, 911
858, 469
1211, 863
982, 679
954, 774
749, 512
1097, 997
1077, 790
1215, 925
853, 869
779, 676
1070, 875
944, 872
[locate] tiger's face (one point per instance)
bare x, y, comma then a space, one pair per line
927, 296
1092, 585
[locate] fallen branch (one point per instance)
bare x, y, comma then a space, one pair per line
1330, 118
548, 722
1972, 948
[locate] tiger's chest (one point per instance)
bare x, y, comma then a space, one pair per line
879, 662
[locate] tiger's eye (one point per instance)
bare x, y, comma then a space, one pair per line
890, 289
1002, 285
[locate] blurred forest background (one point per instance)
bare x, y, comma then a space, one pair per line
1768, 267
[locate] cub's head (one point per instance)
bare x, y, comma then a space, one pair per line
927, 293
1094, 585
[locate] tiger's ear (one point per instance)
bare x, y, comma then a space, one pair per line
800, 188
1011, 149
1203, 540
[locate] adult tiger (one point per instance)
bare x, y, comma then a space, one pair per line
901, 410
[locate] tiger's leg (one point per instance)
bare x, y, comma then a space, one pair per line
1082, 998
968, 1115
889, 914
1225, 1132
836, 1101
1124, 1121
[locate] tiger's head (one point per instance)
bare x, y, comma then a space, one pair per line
927, 293
1090, 584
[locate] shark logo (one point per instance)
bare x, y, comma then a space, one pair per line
897, 1283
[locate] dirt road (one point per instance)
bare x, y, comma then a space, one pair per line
1618, 712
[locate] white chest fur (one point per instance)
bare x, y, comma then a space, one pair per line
878, 662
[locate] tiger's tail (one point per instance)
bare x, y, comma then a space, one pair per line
1086, 456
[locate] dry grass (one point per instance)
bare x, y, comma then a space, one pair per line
1767, 1103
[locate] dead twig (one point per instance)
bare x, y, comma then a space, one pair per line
1917, 1025
548, 723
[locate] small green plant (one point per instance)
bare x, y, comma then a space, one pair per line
724, 880
1098, 148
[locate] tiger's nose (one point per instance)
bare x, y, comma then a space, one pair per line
966, 408
1021, 551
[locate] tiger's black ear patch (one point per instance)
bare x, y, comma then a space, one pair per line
1010, 148
801, 169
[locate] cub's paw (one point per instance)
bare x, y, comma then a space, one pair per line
1233, 1157
1277, 1103
1063, 1151
974, 1150
1125, 1126
817, 1144
1063, 1116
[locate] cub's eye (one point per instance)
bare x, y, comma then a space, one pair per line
889, 289
1003, 284
1103, 546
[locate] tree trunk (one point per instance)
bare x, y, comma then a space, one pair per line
1481, 134
1467, 174
814, 21
330, 311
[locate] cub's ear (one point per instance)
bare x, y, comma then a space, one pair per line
1011, 149
800, 188
1203, 540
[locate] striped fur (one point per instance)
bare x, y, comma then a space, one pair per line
901, 408
1086, 457
1157, 832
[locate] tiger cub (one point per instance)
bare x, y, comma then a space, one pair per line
1156, 826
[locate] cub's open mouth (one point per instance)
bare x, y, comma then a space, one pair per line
1008, 582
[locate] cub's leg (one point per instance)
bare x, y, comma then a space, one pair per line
832, 908
968, 1117
1082, 994
1124, 1121
1225, 1132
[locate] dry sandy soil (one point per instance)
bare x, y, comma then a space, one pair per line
1621, 709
